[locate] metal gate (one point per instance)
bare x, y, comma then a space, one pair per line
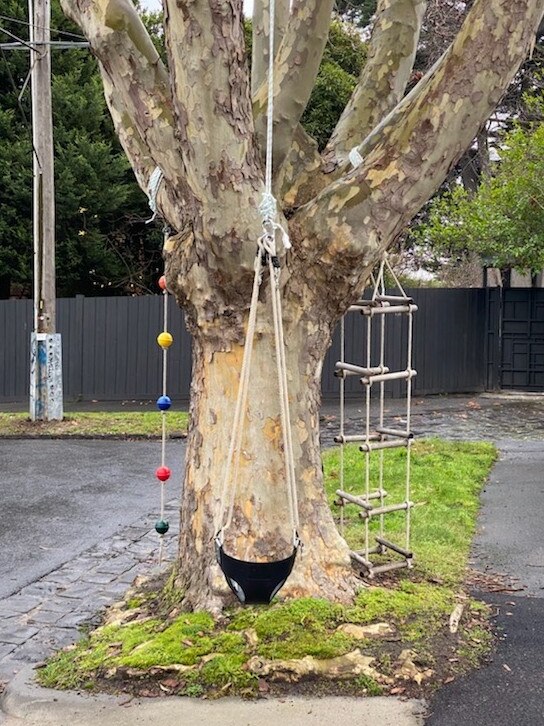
522, 358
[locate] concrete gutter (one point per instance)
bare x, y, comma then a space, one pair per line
26, 704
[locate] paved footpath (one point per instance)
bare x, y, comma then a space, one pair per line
77, 528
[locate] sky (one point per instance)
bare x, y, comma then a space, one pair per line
157, 5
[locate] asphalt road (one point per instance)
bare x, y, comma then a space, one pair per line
510, 535
58, 498
509, 691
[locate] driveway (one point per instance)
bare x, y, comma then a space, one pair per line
58, 498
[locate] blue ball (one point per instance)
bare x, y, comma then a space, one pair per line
164, 403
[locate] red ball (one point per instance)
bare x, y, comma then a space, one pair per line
163, 473
162, 282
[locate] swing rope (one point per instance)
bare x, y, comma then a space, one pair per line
266, 258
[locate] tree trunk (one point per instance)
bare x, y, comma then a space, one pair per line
261, 528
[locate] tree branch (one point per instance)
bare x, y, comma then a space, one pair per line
301, 165
296, 67
136, 88
384, 77
260, 29
210, 82
348, 226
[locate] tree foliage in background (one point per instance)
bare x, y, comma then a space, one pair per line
504, 220
359, 12
343, 59
103, 243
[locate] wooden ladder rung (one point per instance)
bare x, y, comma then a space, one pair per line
388, 567
392, 546
388, 309
393, 376
384, 445
399, 433
395, 299
342, 495
353, 499
343, 369
377, 511
348, 438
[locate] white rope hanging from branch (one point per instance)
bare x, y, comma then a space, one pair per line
266, 258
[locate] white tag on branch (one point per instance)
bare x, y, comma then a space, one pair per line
355, 157
285, 238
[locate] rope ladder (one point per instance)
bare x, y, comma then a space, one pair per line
378, 435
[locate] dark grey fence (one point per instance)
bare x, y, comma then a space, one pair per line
110, 352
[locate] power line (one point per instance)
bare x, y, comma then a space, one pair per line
55, 44
53, 30
12, 80
16, 38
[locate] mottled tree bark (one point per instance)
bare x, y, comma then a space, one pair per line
202, 134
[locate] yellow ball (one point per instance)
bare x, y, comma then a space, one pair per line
165, 340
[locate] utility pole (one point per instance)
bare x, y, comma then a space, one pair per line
46, 402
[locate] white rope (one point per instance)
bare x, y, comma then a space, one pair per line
163, 419
342, 417
266, 254
270, 106
228, 493
153, 189
382, 406
164, 378
268, 206
408, 425
393, 275
284, 399
237, 429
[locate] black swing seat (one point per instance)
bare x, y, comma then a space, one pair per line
255, 583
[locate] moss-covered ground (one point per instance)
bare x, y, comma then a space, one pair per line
150, 646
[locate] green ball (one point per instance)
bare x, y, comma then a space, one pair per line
162, 526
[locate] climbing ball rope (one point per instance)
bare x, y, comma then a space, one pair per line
164, 403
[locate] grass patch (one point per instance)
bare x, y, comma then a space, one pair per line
446, 481
95, 423
193, 654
